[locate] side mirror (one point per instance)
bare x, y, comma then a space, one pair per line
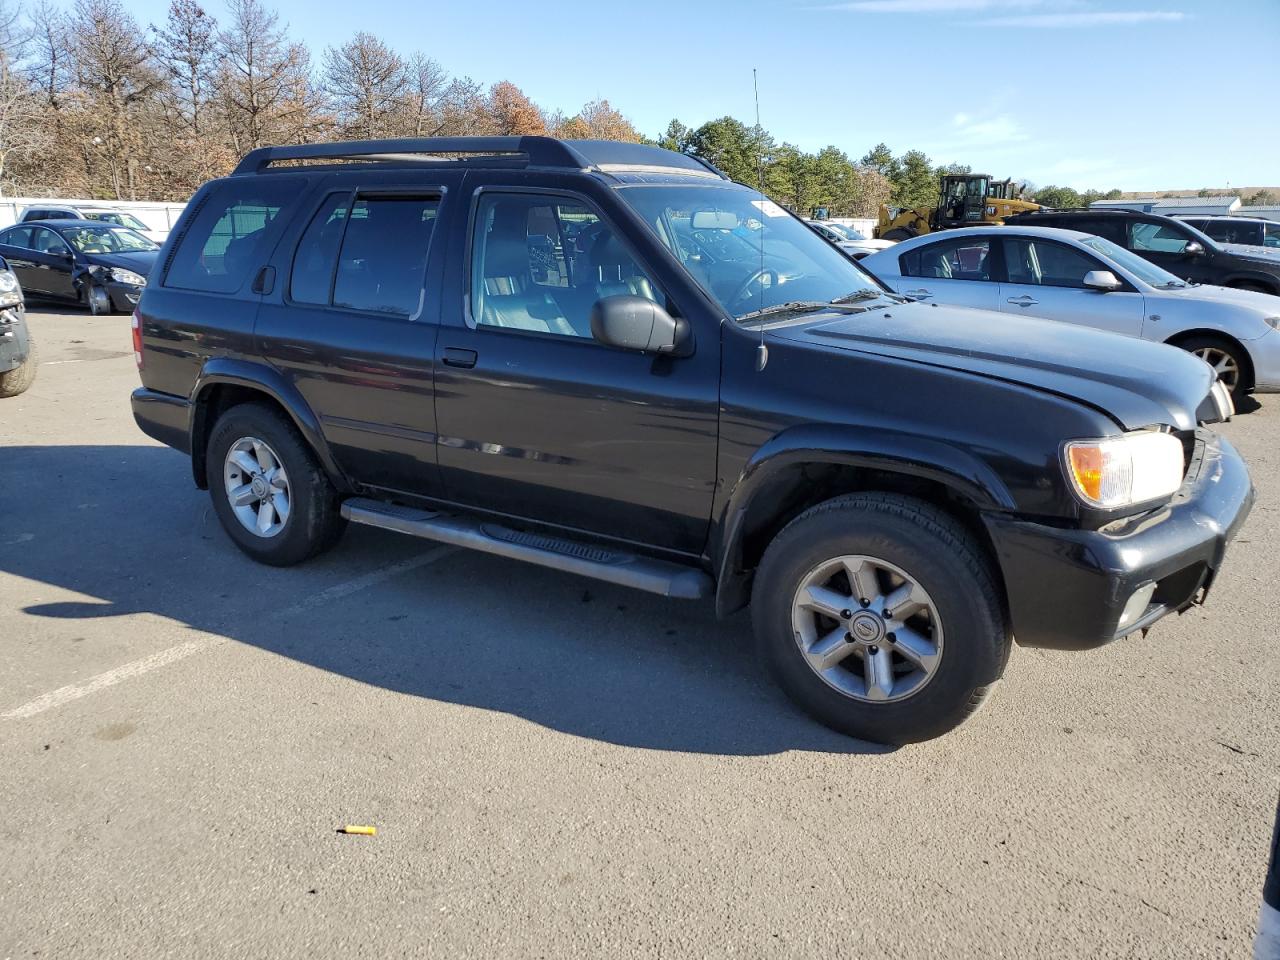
635, 323
1103, 280
1193, 249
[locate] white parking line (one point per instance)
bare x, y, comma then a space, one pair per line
136, 668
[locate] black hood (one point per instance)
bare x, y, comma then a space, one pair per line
1137, 383
139, 261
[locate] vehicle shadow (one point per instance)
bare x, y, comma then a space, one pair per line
125, 530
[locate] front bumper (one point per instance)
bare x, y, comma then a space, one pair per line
124, 296
1264, 354
1068, 588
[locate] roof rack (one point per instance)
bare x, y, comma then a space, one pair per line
600, 155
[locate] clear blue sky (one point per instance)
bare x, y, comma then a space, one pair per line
1135, 94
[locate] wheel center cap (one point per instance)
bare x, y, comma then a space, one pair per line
259, 487
867, 627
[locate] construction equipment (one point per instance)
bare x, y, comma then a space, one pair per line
964, 199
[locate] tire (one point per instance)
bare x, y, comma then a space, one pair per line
1251, 285
96, 300
18, 379
1217, 351
311, 522
963, 613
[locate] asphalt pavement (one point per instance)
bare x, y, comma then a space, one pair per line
558, 767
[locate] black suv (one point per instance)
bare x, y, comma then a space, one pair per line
1172, 244
609, 359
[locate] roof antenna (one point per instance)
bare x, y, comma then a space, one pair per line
762, 351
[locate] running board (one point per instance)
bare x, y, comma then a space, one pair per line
602, 563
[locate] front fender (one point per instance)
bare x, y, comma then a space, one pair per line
874, 449
264, 379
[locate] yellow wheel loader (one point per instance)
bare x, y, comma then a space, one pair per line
965, 199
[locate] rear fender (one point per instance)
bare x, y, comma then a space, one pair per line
264, 379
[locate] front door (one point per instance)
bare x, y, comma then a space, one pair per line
1165, 244
539, 421
1044, 278
353, 327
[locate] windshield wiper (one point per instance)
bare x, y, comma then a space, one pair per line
791, 306
868, 293
1171, 285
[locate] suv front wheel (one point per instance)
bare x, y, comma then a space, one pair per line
270, 493
878, 614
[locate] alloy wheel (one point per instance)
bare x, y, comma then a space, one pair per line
257, 487
867, 629
1223, 363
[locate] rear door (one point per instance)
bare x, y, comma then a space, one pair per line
538, 420
954, 270
1045, 278
353, 320
15, 246
51, 263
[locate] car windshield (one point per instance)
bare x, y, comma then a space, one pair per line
746, 251
106, 239
1143, 269
110, 216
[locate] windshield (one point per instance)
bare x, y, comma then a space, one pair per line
106, 239
1140, 267
747, 252
123, 219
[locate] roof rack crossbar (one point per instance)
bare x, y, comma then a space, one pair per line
536, 151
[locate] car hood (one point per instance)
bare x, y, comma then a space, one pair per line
1266, 304
1136, 383
1268, 254
139, 261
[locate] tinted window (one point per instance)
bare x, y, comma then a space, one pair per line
46, 241
963, 258
1043, 263
384, 254
1272, 236
541, 263
1233, 231
18, 237
1157, 238
317, 253
227, 238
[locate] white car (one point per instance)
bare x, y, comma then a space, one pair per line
101, 214
849, 240
1079, 278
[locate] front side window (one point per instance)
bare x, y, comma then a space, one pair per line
1157, 238
962, 258
1271, 238
370, 255
1043, 263
227, 238
745, 251
46, 241
106, 238
540, 263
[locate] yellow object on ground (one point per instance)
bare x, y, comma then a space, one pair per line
360, 831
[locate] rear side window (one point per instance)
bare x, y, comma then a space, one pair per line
1233, 231
966, 258
227, 238
369, 255
18, 237
1272, 236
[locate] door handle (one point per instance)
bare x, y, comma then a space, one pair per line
920, 294
458, 357
265, 281
1023, 301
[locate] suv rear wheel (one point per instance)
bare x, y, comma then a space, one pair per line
268, 490
878, 615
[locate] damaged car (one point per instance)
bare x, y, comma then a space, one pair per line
100, 266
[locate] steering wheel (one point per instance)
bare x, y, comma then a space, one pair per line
745, 287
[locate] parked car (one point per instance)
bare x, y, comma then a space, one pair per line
1251, 232
898, 488
1172, 244
97, 265
848, 239
102, 215
18, 359
1079, 278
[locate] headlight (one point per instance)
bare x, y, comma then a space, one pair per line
1272, 322
121, 275
8, 282
1126, 470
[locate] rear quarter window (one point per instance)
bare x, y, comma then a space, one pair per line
229, 234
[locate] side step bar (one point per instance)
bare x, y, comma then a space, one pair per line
602, 563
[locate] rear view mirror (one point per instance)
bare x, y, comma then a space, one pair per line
1193, 249
1103, 280
635, 323
715, 220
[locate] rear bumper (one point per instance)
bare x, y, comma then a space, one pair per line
163, 417
1068, 588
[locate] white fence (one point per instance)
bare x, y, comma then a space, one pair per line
157, 215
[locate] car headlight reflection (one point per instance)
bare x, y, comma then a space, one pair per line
121, 275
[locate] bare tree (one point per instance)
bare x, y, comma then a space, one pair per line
419, 112
264, 85
21, 132
367, 82
186, 47
49, 64
512, 113
598, 121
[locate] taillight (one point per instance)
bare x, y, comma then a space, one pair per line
137, 339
